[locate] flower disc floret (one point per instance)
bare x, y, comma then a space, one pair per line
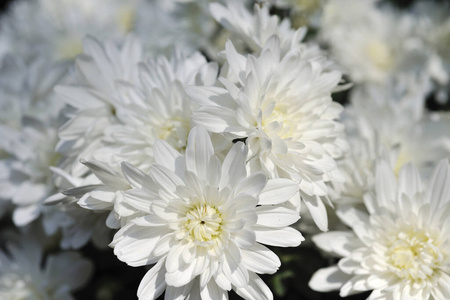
413, 254
203, 223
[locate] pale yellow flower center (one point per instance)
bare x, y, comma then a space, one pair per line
380, 55
204, 222
279, 122
69, 48
402, 159
126, 18
414, 255
175, 131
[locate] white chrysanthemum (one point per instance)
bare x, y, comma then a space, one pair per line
26, 89
28, 179
282, 106
29, 117
156, 107
393, 116
205, 223
26, 274
56, 29
159, 110
373, 44
401, 248
357, 168
125, 104
254, 29
388, 123
101, 70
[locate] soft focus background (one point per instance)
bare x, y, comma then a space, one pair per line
114, 280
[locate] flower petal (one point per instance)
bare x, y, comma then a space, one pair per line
153, 284
328, 279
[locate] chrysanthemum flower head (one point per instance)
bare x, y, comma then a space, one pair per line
400, 248
93, 96
28, 118
156, 107
27, 273
393, 116
255, 29
205, 223
380, 42
281, 105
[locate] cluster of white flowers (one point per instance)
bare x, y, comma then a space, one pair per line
193, 136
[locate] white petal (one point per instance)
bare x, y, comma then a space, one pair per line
180, 277
349, 266
178, 293
165, 245
168, 157
252, 185
153, 283
278, 191
272, 216
255, 290
166, 179
237, 61
94, 204
355, 285
213, 291
107, 175
103, 194
149, 220
233, 167
339, 243
134, 244
135, 177
438, 192
78, 97
385, 185
199, 151
29, 193
215, 119
317, 209
286, 237
140, 200
24, 215
261, 260
222, 281
214, 171
328, 279
233, 266
409, 182
245, 238
351, 215
173, 261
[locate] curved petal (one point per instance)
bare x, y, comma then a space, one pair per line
153, 283
328, 279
